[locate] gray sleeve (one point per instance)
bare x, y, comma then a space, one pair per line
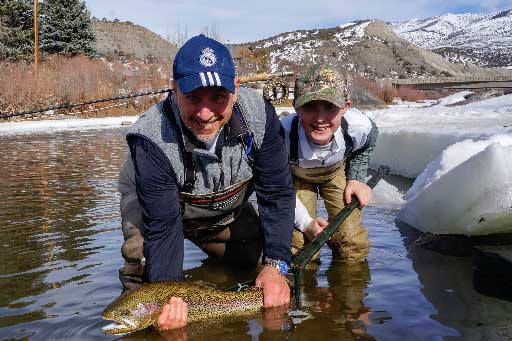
131, 212
360, 160
126, 183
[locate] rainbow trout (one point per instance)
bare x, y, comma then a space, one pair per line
138, 308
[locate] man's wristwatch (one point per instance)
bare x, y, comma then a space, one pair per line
278, 264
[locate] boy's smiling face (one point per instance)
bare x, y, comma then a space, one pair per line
320, 120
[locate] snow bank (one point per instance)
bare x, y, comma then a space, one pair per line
410, 138
455, 98
461, 158
47, 126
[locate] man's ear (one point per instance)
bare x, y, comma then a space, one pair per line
237, 85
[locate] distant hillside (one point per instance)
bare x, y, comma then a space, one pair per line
449, 45
116, 38
369, 48
484, 40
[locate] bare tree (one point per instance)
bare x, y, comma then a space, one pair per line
180, 36
212, 32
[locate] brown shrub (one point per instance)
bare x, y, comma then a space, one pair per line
387, 92
62, 80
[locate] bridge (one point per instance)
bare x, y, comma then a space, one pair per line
455, 82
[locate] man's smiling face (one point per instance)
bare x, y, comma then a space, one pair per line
205, 110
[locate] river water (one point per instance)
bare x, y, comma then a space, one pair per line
60, 253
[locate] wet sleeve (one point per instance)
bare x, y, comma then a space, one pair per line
274, 190
157, 192
360, 160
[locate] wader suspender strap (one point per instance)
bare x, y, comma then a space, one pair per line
188, 159
294, 140
247, 139
349, 144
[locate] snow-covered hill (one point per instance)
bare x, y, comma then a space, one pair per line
484, 40
370, 48
313, 46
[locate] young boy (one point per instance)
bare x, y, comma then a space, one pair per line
330, 148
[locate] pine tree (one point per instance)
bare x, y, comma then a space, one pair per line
66, 28
16, 30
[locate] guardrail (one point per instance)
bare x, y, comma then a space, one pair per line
438, 80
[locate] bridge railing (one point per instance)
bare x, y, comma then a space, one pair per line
439, 80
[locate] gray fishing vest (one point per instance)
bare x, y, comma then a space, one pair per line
213, 189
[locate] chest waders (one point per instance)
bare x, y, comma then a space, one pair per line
350, 243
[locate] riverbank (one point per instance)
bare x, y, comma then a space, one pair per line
72, 123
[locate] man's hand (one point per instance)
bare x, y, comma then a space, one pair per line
314, 228
276, 291
274, 318
174, 315
362, 191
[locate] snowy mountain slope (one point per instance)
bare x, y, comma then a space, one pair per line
305, 47
369, 48
484, 40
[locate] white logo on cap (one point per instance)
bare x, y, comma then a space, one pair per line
207, 57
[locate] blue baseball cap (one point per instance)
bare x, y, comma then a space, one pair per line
202, 62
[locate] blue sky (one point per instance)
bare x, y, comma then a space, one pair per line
244, 21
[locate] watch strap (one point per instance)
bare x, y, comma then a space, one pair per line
279, 265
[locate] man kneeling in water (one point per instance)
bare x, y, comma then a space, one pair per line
196, 157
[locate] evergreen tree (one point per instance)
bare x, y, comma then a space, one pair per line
66, 28
16, 30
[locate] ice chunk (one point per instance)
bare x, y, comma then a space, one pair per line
386, 194
471, 198
450, 158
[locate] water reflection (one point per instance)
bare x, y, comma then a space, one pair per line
334, 299
448, 284
399, 310
58, 197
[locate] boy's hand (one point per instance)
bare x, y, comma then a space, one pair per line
362, 191
314, 228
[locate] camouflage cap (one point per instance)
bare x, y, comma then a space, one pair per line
321, 83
